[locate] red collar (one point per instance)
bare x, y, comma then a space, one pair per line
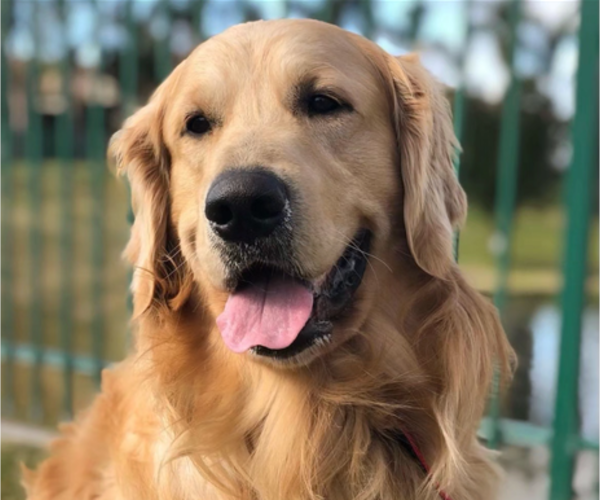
410, 445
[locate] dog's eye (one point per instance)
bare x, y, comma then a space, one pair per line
322, 105
197, 124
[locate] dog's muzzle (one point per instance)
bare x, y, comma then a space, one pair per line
273, 309
275, 312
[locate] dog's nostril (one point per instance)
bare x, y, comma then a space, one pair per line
267, 207
220, 213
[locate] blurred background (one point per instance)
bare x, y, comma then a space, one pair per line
523, 79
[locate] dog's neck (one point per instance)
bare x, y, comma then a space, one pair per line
322, 428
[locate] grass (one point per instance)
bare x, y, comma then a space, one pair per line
537, 243
536, 253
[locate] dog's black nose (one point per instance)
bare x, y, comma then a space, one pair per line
243, 205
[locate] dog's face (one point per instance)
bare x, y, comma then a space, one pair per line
283, 167
277, 165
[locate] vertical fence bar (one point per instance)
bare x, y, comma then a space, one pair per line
162, 45
327, 12
8, 332
64, 147
198, 9
460, 102
578, 201
33, 147
129, 64
366, 10
128, 73
458, 113
459, 106
287, 8
95, 132
506, 190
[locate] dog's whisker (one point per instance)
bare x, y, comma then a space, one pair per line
368, 260
351, 243
369, 256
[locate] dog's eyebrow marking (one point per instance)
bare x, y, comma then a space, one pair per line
305, 87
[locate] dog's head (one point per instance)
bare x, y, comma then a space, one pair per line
284, 173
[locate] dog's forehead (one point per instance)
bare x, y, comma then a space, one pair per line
293, 47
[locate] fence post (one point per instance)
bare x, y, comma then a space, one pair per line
33, 147
128, 75
459, 106
64, 152
8, 327
506, 190
163, 58
578, 199
95, 153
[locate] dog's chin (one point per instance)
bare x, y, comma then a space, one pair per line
334, 294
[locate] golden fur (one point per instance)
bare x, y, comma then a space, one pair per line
183, 417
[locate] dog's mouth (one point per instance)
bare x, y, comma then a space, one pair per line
276, 314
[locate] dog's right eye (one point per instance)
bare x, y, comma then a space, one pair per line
322, 105
197, 125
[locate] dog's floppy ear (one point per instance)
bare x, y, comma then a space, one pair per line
434, 202
138, 150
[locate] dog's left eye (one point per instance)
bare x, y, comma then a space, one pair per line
322, 105
197, 124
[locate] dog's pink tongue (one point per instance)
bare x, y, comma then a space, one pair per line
270, 314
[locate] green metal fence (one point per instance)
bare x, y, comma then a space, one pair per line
64, 314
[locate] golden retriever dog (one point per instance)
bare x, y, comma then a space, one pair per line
302, 329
